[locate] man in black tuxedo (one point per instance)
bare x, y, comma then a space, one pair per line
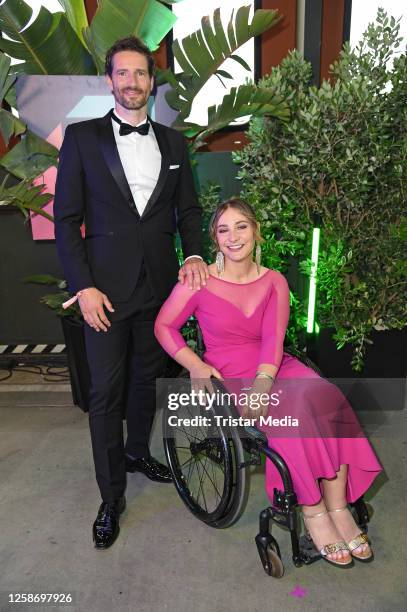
129, 180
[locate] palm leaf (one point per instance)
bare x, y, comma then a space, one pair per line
55, 300
30, 157
76, 15
241, 61
11, 97
48, 46
201, 54
26, 197
239, 102
45, 279
114, 19
6, 79
9, 125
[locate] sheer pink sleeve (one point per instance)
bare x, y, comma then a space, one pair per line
275, 322
177, 309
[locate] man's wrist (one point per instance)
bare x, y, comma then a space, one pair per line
193, 257
75, 297
85, 288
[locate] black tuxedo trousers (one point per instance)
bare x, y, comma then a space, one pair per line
119, 376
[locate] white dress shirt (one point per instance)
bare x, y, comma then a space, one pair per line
141, 160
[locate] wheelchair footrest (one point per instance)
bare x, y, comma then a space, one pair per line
308, 552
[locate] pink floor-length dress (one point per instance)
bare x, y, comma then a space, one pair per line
244, 325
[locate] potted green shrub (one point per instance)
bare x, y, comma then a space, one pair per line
339, 163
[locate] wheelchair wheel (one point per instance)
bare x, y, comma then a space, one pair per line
205, 463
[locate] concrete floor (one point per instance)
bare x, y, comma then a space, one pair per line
165, 559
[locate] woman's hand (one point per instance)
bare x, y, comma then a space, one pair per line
258, 402
200, 377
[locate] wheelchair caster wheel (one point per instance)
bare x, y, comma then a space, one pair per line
271, 560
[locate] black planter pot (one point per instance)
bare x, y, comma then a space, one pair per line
77, 361
385, 358
382, 383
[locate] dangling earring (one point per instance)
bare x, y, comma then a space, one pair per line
258, 257
220, 263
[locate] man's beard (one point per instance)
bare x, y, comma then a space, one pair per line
130, 104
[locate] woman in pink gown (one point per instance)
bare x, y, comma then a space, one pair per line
243, 312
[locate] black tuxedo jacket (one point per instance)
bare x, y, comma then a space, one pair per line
91, 187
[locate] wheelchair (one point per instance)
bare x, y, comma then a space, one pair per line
208, 466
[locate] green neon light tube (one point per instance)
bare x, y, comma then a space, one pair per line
313, 280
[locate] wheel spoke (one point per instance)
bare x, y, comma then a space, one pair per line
197, 426
213, 483
201, 487
188, 435
181, 465
190, 469
214, 477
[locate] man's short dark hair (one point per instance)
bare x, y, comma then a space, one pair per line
130, 43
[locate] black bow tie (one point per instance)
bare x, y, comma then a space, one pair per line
126, 128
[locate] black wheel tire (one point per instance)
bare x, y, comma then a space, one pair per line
240, 487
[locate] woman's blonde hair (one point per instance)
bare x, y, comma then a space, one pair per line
241, 206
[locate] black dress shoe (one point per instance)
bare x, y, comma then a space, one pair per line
153, 469
106, 527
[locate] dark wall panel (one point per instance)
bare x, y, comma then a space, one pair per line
312, 36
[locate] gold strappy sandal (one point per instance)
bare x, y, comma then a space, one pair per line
329, 549
365, 556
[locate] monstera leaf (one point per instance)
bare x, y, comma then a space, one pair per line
239, 102
201, 54
25, 197
48, 46
149, 19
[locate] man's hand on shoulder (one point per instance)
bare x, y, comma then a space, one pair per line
195, 272
91, 302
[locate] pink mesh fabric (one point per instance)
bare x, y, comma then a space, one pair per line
250, 318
